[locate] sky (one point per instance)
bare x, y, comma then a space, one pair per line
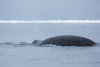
23, 32
49, 9
32, 10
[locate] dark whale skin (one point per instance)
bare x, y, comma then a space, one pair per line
68, 40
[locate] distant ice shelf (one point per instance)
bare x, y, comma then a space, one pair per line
50, 21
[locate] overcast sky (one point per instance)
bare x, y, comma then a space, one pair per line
49, 9
18, 32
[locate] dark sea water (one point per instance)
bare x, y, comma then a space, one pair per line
29, 55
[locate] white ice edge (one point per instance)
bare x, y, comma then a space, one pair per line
51, 21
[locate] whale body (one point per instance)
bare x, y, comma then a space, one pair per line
68, 40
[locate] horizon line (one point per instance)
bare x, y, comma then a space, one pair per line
49, 21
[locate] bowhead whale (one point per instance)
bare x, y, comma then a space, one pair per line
68, 40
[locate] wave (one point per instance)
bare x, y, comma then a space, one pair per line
16, 43
34, 43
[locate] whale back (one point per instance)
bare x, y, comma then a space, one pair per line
68, 40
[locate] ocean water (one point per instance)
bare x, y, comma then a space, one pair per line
29, 55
